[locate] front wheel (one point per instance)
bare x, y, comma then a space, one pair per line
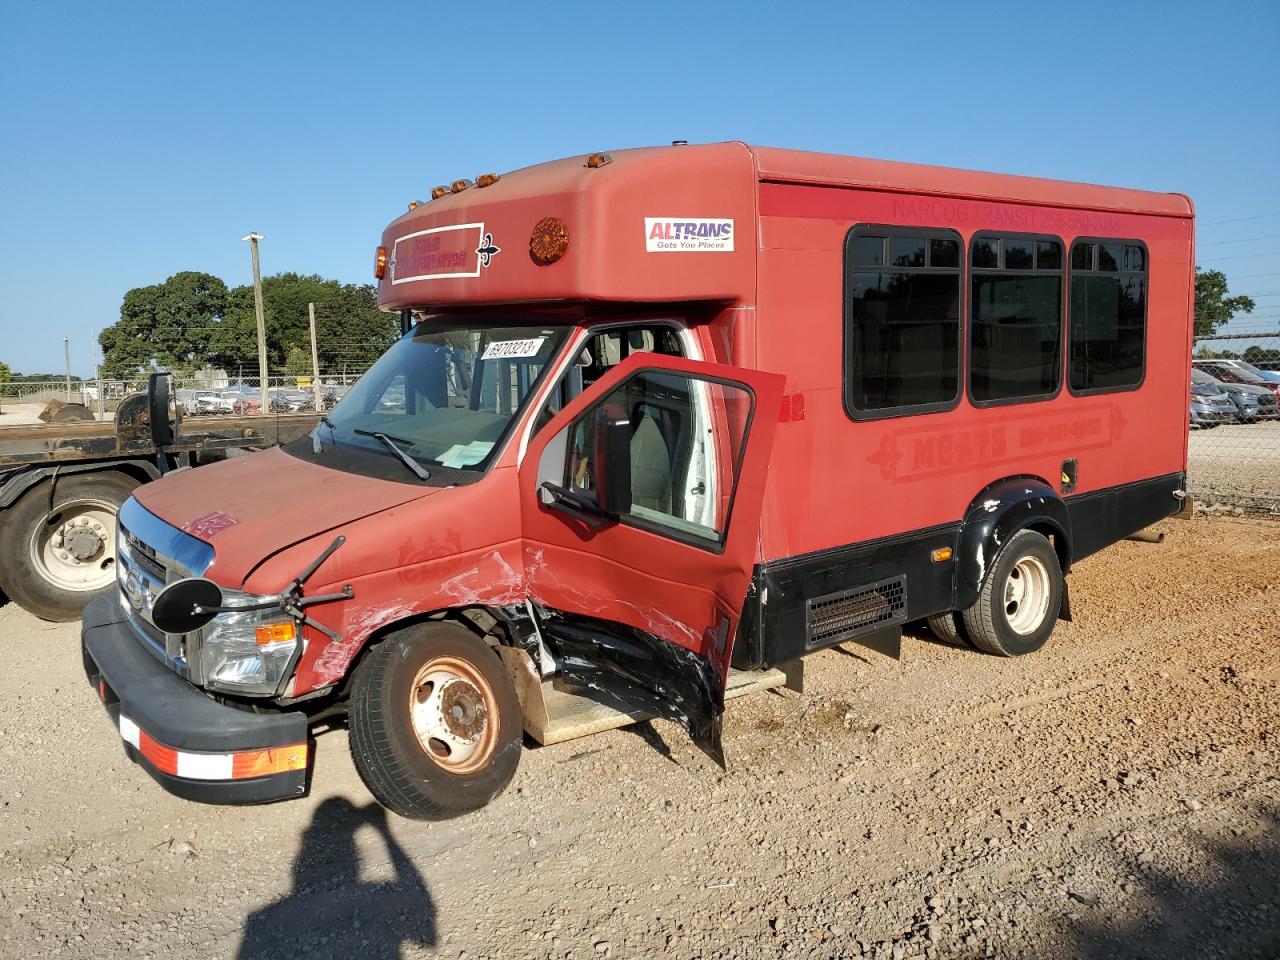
58, 552
436, 728
1019, 601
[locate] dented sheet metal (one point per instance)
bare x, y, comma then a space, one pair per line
640, 669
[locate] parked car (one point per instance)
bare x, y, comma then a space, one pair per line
1247, 368
1231, 371
291, 401
1251, 403
1210, 404
209, 402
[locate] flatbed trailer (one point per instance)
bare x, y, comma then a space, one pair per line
61, 485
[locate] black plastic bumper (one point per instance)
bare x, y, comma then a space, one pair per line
131, 681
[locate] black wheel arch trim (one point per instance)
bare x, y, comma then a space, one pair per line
22, 480
995, 515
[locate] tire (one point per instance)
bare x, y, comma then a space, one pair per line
50, 564
416, 761
1019, 601
949, 628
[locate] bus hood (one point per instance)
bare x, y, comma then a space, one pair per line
250, 507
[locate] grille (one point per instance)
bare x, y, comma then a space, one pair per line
144, 556
850, 613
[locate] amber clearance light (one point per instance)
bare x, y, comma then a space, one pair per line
549, 241
380, 263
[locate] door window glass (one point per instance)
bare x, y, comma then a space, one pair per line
686, 437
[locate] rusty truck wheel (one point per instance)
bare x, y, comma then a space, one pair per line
436, 729
58, 552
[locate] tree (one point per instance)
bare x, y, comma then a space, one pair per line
298, 362
166, 324
1214, 307
349, 325
5, 373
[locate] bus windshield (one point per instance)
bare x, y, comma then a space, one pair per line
444, 395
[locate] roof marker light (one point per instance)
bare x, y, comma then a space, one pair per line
487, 179
460, 185
438, 192
596, 160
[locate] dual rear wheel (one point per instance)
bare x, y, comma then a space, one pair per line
1017, 605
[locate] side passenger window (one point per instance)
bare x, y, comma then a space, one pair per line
1015, 317
902, 321
1108, 315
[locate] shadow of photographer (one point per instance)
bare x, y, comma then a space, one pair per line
330, 909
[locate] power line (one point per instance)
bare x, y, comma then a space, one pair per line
1265, 236
1260, 216
1245, 256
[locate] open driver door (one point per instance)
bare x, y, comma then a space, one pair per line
640, 506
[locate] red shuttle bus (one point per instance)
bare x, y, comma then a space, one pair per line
660, 424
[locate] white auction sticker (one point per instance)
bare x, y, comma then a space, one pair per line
688, 235
513, 349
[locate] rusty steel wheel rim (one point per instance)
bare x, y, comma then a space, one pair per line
454, 714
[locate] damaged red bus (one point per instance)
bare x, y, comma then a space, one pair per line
660, 424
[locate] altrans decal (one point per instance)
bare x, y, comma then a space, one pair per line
688, 235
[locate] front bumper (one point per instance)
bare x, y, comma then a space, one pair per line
194, 746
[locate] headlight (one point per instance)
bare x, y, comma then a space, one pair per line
247, 652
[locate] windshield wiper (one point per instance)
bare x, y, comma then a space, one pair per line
418, 470
315, 438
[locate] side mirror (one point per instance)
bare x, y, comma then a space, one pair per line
159, 400
612, 456
186, 605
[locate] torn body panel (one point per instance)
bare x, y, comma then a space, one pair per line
624, 663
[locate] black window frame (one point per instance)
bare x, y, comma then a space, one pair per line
714, 546
1064, 294
889, 232
1146, 308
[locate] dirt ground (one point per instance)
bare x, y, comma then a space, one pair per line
1115, 795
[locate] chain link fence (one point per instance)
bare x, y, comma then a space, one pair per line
208, 394
1234, 448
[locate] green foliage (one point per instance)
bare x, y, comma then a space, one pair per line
1214, 305
192, 320
5, 373
167, 324
298, 362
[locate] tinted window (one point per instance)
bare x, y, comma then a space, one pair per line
1015, 321
1108, 316
902, 324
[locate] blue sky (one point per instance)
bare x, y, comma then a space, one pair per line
137, 140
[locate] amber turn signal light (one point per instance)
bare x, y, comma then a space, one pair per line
268, 633
940, 555
380, 262
487, 179
549, 241
438, 192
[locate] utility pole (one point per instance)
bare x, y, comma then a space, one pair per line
66, 359
94, 348
252, 239
315, 359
